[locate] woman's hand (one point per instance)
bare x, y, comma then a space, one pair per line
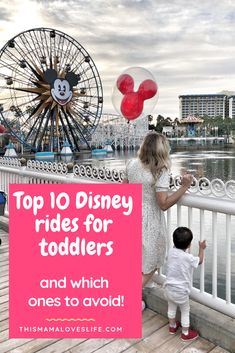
186, 180
165, 201
125, 181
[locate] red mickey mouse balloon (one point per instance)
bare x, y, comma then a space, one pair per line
147, 89
135, 93
132, 106
125, 84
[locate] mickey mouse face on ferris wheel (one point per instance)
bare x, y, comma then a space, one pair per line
61, 92
61, 89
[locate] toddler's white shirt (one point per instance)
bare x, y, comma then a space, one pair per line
180, 265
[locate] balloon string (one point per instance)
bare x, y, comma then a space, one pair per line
128, 134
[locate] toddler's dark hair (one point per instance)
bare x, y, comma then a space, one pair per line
182, 237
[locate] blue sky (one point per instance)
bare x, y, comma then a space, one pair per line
188, 46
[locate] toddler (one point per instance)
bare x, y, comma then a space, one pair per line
180, 265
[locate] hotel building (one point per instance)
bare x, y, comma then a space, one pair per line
211, 105
231, 104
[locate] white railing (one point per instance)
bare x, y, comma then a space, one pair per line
208, 209
212, 219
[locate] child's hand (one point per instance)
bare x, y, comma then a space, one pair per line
202, 244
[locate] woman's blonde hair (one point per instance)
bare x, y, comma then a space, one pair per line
154, 153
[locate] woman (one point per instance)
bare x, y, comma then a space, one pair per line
151, 169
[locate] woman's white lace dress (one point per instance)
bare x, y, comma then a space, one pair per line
153, 220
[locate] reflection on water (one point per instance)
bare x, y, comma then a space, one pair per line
209, 164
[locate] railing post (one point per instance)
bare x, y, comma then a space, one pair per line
202, 272
190, 217
214, 254
228, 259
178, 215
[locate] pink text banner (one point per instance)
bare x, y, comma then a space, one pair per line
75, 261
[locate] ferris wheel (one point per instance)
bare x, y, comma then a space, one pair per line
50, 90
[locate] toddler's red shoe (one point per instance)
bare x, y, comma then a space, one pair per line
173, 330
192, 335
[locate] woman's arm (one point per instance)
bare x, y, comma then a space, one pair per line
165, 200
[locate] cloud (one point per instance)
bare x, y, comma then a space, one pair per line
5, 13
188, 46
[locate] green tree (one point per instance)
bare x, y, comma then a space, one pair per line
161, 122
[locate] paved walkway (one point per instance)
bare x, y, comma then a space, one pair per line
156, 338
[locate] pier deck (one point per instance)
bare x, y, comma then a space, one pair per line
156, 338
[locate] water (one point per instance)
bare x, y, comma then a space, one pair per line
201, 163
207, 163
